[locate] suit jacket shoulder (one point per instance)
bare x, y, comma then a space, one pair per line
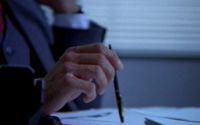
32, 21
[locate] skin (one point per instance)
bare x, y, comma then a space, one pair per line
77, 69
74, 73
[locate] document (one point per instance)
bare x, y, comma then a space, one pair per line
179, 114
99, 117
132, 117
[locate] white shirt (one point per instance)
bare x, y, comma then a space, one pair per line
74, 21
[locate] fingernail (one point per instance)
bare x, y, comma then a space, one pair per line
87, 101
102, 92
121, 66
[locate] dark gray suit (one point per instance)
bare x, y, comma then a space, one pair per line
48, 43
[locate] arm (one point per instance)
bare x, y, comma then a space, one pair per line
71, 28
66, 36
75, 73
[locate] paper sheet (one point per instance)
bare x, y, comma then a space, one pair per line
182, 114
98, 117
132, 116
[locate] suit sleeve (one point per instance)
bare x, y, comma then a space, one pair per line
67, 37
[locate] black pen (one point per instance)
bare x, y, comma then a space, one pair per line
118, 95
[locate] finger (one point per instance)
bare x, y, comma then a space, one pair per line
55, 72
85, 87
99, 48
87, 72
96, 59
68, 56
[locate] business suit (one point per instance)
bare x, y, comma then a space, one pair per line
45, 40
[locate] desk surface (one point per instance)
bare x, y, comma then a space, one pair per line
133, 116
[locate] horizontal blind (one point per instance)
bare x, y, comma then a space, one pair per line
162, 27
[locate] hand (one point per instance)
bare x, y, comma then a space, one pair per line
75, 74
61, 6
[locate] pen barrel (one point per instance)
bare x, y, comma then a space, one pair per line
118, 95
118, 98
119, 105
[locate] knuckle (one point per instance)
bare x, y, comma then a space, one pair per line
93, 96
91, 87
97, 70
99, 47
93, 91
67, 79
111, 74
67, 66
115, 55
69, 56
100, 58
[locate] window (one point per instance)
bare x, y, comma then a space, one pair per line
149, 27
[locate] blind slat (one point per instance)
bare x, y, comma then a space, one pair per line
159, 23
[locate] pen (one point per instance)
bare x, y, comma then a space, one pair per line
118, 95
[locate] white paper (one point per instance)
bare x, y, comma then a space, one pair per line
111, 119
187, 114
132, 116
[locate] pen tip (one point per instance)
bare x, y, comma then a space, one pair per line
122, 119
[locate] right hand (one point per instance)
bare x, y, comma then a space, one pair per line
75, 72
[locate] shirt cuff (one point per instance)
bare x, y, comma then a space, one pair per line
74, 21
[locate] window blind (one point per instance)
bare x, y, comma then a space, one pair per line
149, 27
